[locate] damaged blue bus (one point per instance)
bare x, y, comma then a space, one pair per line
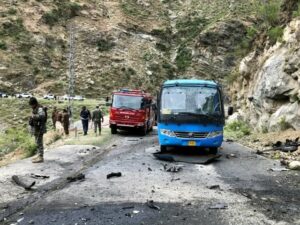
191, 113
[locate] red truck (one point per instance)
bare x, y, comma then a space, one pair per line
132, 109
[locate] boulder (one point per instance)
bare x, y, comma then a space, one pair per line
294, 165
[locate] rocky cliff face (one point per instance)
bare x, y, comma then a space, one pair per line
133, 43
270, 84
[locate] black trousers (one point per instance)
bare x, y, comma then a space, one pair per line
85, 126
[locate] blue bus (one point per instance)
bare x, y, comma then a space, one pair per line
191, 113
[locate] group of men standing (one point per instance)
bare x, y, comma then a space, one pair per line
62, 117
96, 117
38, 123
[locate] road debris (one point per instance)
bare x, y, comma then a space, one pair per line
149, 169
229, 140
219, 206
174, 169
279, 169
78, 177
213, 187
17, 180
37, 176
229, 156
150, 204
128, 207
181, 157
288, 146
113, 175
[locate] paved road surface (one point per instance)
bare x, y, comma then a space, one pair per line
252, 193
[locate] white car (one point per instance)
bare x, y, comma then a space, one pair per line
78, 98
3, 95
24, 95
49, 96
67, 97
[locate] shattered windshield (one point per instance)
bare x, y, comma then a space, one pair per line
190, 100
127, 102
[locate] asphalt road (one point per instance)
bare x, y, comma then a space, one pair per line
244, 187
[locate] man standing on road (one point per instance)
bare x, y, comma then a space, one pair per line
54, 117
97, 118
66, 121
37, 122
85, 117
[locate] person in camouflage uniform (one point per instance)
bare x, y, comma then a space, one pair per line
37, 122
97, 118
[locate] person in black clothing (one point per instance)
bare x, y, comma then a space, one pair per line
85, 117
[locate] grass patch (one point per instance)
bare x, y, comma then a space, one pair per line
3, 45
283, 124
269, 12
184, 58
237, 129
296, 13
14, 138
275, 34
91, 138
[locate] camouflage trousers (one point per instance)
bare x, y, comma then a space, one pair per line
40, 145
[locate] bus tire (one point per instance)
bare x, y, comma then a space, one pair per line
113, 130
213, 150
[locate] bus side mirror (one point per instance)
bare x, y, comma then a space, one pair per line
230, 111
108, 104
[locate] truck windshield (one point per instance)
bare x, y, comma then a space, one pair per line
191, 101
127, 102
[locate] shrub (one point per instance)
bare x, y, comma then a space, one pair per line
237, 129
269, 11
296, 13
275, 34
64, 10
283, 124
3, 45
105, 45
183, 58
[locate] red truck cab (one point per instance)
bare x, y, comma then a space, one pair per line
131, 109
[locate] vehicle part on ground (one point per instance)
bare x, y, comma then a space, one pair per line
193, 159
113, 175
19, 182
78, 177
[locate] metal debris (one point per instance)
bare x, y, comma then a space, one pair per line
37, 176
151, 205
280, 169
288, 146
76, 177
219, 206
173, 169
113, 175
212, 187
17, 180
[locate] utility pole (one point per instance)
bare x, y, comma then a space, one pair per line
71, 69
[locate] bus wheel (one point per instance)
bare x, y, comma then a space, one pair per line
163, 148
113, 130
213, 150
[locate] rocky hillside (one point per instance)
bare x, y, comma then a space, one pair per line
266, 88
134, 43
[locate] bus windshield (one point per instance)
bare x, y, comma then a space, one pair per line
191, 101
127, 102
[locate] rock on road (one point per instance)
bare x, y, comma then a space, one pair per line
243, 185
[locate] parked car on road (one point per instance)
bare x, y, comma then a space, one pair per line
24, 95
3, 95
49, 96
67, 97
78, 98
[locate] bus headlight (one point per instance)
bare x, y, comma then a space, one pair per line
167, 133
215, 134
